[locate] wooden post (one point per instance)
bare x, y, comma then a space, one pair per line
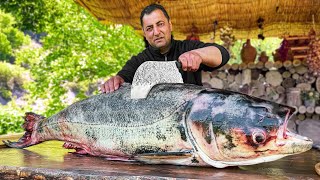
246, 76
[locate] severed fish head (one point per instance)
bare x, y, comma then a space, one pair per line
231, 129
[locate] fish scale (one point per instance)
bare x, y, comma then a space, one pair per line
175, 124
106, 108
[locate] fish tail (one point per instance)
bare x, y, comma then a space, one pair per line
26, 140
30, 119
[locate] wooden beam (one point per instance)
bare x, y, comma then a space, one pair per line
297, 38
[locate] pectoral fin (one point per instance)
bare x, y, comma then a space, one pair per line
177, 158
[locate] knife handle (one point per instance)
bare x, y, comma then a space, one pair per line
179, 65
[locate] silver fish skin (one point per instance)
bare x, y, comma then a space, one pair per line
176, 124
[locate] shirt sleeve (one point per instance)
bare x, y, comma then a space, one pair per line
191, 45
224, 54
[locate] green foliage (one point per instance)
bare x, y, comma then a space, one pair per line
10, 120
31, 15
310, 95
77, 49
269, 45
10, 72
5, 47
10, 77
29, 56
10, 37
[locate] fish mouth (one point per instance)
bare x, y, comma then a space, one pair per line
292, 143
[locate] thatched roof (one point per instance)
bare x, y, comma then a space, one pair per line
281, 17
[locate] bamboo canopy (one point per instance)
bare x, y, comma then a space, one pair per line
277, 17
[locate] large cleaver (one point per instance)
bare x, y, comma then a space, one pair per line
151, 73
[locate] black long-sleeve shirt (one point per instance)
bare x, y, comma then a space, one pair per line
177, 48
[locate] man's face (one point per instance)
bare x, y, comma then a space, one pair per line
157, 30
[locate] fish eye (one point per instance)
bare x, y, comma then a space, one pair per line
258, 137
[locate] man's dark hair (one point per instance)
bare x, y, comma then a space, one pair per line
149, 9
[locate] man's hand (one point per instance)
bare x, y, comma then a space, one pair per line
112, 84
190, 61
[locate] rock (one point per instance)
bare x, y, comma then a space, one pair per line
3, 101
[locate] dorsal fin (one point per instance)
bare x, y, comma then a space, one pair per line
151, 73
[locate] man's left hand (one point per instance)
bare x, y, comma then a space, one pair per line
190, 61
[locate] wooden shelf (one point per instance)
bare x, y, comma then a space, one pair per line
298, 48
300, 56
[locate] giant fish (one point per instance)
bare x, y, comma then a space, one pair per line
177, 124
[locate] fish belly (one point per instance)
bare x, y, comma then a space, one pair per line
124, 141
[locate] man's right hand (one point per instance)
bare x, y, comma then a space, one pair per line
112, 84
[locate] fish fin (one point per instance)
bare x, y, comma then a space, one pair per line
118, 158
69, 145
30, 120
79, 150
177, 158
82, 151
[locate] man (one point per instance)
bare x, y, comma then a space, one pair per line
193, 55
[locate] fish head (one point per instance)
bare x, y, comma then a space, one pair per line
231, 129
